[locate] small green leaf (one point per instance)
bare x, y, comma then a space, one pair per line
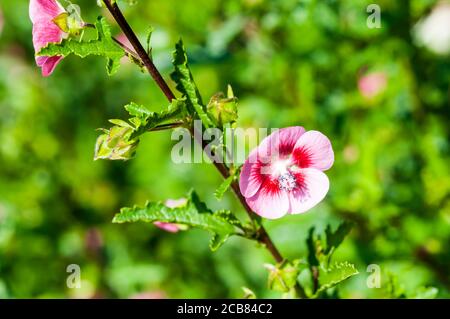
220, 191
334, 275
104, 45
185, 84
193, 214
137, 110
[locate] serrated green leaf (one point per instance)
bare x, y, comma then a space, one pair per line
194, 214
185, 84
102, 46
334, 275
137, 110
220, 191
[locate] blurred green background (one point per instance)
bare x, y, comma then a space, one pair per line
291, 62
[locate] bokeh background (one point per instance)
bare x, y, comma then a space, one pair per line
381, 95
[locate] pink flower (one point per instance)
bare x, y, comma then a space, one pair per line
283, 175
45, 31
372, 84
170, 227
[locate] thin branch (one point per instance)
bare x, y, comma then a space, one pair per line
138, 48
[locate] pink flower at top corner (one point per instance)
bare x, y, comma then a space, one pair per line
372, 84
284, 174
51, 24
171, 227
45, 31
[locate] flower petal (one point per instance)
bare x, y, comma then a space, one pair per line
314, 187
313, 150
281, 141
169, 227
250, 179
45, 32
269, 204
48, 64
44, 10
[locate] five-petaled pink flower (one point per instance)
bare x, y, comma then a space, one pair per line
45, 31
171, 227
284, 174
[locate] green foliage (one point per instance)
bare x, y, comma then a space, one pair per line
326, 274
120, 142
221, 224
104, 46
334, 275
185, 84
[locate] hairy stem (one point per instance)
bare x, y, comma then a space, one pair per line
262, 236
